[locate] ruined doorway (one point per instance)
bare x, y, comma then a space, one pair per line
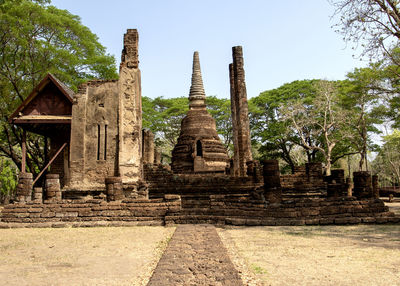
199, 149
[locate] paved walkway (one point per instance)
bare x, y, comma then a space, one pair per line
195, 256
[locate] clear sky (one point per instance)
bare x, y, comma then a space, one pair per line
282, 41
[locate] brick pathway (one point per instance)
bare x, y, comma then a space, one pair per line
195, 256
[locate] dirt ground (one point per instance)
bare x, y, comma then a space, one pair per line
81, 256
316, 255
301, 255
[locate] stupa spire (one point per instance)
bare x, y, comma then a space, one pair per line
197, 96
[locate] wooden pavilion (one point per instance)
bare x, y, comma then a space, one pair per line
47, 111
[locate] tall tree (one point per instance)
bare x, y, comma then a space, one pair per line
35, 39
387, 162
360, 97
373, 24
318, 120
269, 126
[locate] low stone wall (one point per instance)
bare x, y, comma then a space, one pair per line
242, 210
91, 211
221, 209
307, 181
161, 180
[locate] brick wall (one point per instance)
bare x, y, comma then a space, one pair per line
91, 211
243, 210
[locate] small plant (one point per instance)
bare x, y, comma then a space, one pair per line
258, 269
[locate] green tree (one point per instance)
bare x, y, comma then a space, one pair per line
35, 39
269, 126
163, 117
361, 98
318, 121
8, 179
220, 109
387, 162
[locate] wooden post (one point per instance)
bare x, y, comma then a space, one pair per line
23, 163
46, 155
51, 161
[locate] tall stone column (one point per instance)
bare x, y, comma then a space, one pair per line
240, 113
77, 141
130, 111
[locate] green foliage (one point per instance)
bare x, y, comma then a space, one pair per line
360, 96
8, 179
387, 162
35, 39
163, 117
268, 125
220, 109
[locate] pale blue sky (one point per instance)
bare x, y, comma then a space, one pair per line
282, 41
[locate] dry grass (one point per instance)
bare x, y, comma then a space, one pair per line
318, 255
81, 256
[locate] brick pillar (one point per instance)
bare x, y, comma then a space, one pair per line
24, 187
157, 156
240, 113
375, 187
362, 185
114, 190
143, 190
336, 184
349, 186
254, 170
148, 147
272, 182
38, 194
53, 188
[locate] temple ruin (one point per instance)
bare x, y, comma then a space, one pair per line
104, 169
199, 148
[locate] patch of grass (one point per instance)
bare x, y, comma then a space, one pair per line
258, 269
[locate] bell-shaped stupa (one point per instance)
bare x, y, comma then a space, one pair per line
199, 148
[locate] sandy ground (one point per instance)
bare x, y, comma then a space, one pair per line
81, 256
316, 255
394, 206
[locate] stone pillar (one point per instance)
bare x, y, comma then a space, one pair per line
157, 156
336, 184
77, 141
272, 182
362, 185
240, 113
130, 111
53, 188
148, 147
375, 187
254, 170
38, 194
143, 190
24, 187
114, 190
235, 159
349, 186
